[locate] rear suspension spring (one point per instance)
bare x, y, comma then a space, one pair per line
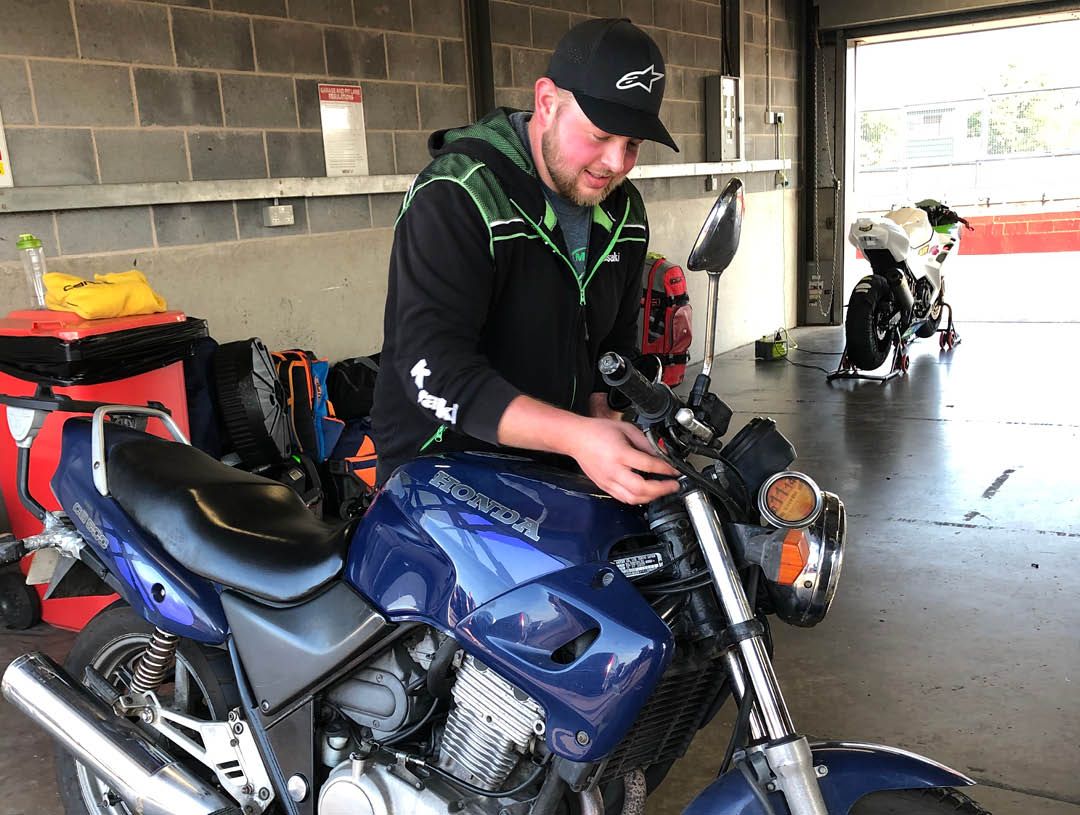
155, 661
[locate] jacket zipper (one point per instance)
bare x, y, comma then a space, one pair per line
436, 437
582, 282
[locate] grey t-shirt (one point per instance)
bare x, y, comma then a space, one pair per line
576, 221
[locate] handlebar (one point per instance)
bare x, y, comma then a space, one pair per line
652, 400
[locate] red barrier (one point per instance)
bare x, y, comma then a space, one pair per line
1022, 232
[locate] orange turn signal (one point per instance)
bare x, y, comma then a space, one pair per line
793, 557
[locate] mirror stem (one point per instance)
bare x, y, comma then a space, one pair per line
710, 323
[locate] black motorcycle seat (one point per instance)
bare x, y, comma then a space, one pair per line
230, 526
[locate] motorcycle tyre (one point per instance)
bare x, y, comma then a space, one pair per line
936, 801
864, 348
930, 327
119, 627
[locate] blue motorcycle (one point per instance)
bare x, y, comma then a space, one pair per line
492, 637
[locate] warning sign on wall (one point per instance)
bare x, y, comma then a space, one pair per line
5, 159
344, 139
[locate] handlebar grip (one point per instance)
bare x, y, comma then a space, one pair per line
652, 400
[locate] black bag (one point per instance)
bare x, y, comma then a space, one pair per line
351, 384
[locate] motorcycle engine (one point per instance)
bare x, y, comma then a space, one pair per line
490, 728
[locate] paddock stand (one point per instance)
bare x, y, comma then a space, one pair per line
948, 337
900, 362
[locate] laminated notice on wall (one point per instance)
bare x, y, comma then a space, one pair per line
5, 159
344, 140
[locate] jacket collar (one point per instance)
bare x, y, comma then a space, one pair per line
494, 141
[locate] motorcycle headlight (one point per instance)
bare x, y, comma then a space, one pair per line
810, 566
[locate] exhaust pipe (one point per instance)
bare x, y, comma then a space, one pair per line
148, 780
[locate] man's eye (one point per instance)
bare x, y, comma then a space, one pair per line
598, 137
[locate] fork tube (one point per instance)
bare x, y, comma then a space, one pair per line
738, 685
769, 700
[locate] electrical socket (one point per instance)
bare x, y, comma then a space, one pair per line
278, 215
781, 179
774, 117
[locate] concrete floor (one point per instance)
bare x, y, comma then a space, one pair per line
954, 632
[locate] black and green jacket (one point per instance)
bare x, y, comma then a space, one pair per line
483, 302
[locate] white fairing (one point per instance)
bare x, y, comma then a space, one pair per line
909, 238
880, 233
914, 222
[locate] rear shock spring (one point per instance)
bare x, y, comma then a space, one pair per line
154, 662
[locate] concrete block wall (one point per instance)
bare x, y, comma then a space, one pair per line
122, 91
773, 76
688, 33
113, 91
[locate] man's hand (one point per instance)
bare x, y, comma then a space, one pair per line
612, 453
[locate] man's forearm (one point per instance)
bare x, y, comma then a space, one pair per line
534, 425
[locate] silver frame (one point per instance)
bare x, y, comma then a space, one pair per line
97, 449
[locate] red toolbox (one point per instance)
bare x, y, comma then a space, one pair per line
126, 360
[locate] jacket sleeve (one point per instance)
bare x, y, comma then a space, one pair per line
623, 337
442, 278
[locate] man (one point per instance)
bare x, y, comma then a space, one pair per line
517, 262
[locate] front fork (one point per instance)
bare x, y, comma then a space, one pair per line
786, 752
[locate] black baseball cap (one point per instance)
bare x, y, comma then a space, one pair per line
616, 74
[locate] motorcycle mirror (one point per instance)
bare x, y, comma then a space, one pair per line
719, 236
713, 252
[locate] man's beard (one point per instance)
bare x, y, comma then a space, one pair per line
564, 179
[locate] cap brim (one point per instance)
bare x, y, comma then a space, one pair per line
623, 121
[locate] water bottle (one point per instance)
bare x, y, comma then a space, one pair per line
33, 258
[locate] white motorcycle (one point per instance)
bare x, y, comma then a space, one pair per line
904, 298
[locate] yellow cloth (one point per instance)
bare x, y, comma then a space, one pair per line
121, 294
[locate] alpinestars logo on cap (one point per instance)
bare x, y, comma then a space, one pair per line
639, 79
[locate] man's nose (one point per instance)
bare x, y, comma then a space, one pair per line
615, 155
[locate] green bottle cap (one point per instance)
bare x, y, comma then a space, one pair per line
27, 241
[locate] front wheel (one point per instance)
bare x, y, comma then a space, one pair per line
938, 801
201, 684
868, 327
933, 320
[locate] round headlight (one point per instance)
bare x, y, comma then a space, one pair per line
790, 499
805, 599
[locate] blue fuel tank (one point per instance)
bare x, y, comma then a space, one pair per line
511, 557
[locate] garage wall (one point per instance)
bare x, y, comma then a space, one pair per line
109, 91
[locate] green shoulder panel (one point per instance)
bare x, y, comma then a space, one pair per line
637, 206
476, 178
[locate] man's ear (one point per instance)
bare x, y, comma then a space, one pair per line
546, 101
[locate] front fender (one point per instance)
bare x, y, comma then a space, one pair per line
854, 770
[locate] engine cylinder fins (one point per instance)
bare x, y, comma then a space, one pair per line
491, 725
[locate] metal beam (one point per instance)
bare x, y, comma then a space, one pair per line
96, 196
478, 53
